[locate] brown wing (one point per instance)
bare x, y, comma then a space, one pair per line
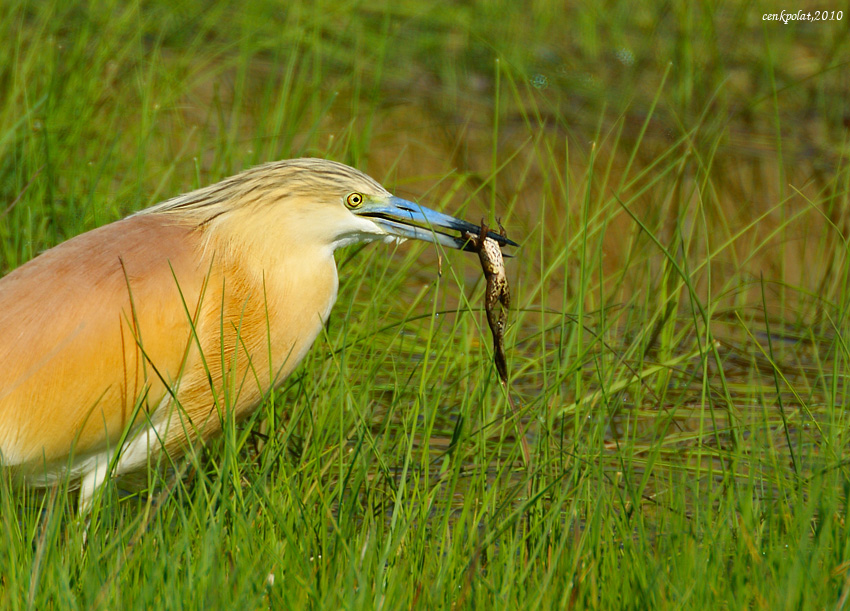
87, 329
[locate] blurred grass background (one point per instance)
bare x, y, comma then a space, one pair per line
678, 179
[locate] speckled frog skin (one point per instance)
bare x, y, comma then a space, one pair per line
497, 296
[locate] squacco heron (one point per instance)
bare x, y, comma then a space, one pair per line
134, 338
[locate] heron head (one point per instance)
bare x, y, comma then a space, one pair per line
362, 210
318, 202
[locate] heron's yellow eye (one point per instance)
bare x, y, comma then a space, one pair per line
354, 200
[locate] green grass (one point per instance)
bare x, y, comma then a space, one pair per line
679, 184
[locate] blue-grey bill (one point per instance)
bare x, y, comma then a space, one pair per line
406, 219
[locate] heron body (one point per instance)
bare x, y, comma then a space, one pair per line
143, 335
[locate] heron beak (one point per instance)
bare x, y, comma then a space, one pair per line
404, 219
